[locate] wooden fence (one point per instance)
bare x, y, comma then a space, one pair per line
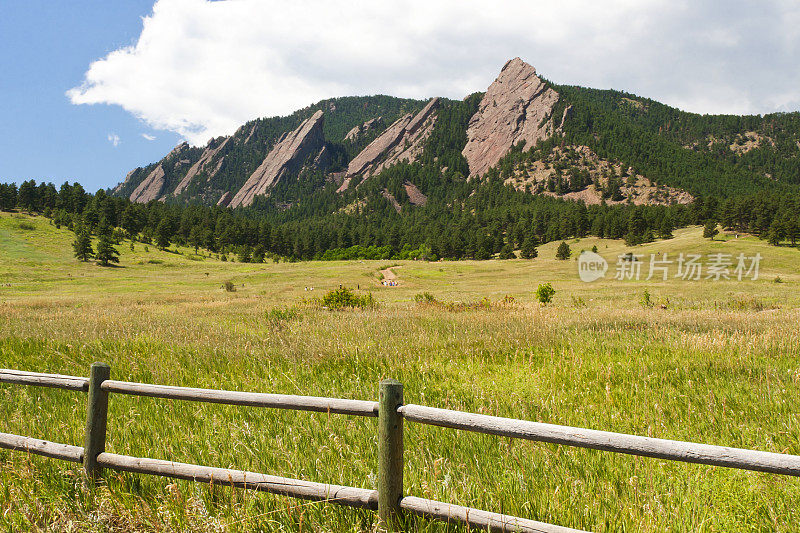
391, 412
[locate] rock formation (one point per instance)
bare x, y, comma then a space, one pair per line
392, 200
286, 157
225, 199
208, 154
402, 141
415, 196
150, 188
358, 131
516, 107
128, 177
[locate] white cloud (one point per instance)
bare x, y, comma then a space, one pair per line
113, 138
148, 137
201, 68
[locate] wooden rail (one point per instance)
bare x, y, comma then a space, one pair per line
689, 452
57, 381
447, 512
54, 450
307, 490
388, 500
252, 399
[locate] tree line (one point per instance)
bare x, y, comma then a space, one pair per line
494, 221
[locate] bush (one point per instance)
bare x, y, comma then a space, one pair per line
343, 297
277, 318
425, 298
646, 301
229, 286
578, 302
545, 293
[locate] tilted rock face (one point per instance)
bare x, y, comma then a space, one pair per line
150, 188
517, 106
128, 177
208, 155
358, 131
286, 157
224, 200
402, 141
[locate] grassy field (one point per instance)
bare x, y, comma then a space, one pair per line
710, 361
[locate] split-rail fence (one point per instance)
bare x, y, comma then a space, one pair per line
391, 411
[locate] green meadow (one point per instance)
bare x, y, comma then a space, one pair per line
708, 361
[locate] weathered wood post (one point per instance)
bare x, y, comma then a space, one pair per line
390, 454
96, 422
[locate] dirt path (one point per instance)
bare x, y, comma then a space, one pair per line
389, 276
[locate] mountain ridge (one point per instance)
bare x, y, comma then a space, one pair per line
659, 154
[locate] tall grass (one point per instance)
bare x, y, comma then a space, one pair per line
697, 371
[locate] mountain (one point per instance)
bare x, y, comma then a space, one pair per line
205, 174
537, 137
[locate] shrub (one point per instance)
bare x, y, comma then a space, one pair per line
27, 226
229, 286
425, 298
578, 302
545, 293
343, 297
646, 301
508, 301
277, 318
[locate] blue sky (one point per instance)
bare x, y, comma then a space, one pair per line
83, 82
45, 49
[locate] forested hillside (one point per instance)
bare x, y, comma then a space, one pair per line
388, 177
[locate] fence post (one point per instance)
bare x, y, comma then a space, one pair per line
96, 422
390, 454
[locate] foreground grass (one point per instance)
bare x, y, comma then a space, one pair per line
719, 365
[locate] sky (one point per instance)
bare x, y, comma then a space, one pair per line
90, 90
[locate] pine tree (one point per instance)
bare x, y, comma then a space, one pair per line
563, 251
244, 254
710, 229
528, 249
82, 245
106, 253
775, 234
258, 254
665, 231
507, 252
163, 233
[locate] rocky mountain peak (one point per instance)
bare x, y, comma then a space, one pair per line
517, 107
